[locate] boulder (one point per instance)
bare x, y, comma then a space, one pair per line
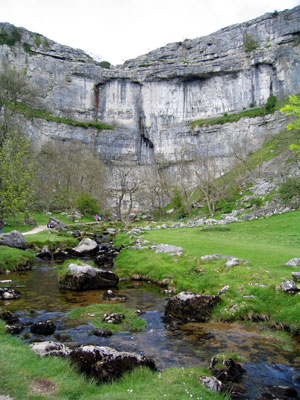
289, 287
113, 318
294, 262
84, 277
9, 294
44, 253
106, 364
190, 307
57, 224
50, 348
87, 247
13, 239
43, 328
168, 248
211, 383
60, 254
14, 329
226, 370
101, 332
296, 276
8, 317
109, 295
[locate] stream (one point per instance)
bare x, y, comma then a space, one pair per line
266, 362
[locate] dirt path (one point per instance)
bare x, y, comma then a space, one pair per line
37, 229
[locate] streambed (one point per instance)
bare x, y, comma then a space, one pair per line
266, 362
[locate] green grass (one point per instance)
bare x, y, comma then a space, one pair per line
94, 313
43, 114
12, 259
20, 368
234, 117
52, 239
265, 244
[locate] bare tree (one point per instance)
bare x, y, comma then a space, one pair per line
206, 173
126, 186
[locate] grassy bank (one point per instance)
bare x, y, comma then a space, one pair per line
265, 244
14, 259
22, 372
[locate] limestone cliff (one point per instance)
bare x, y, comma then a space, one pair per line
151, 99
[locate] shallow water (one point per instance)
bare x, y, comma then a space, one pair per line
266, 362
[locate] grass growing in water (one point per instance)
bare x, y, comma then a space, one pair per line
94, 313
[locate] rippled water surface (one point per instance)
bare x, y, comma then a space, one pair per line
266, 362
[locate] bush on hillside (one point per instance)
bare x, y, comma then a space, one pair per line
290, 191
87, 204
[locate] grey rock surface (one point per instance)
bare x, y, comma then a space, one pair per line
13, 239
189, 307
106, 363
86, 247
49, 348
84, 277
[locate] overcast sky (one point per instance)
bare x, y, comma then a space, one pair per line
117, 30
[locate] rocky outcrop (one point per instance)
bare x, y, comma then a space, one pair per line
106, 364
150, 100
84, 277
189, 307
13, 239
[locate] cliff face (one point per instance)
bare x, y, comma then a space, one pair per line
151, 99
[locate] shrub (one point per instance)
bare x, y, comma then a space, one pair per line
270, 104
224, 206
290, 190
10, 39
256, 201
87, 204
250, 43
37, 40
105, 64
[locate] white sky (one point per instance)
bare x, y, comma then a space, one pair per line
117, 30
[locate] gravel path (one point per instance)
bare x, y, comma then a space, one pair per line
37, 229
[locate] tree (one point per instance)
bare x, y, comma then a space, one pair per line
17, 183
126, 185
16, 164
293, 108
65, 170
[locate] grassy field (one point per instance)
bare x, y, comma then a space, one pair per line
22, 372
265, 244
